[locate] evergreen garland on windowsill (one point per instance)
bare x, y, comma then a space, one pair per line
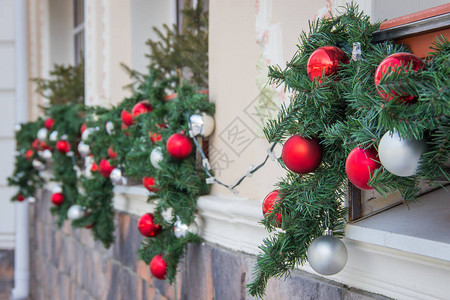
344, 111
179, 182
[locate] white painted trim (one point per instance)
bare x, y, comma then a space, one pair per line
173, 12
22, 241
132, 199
420, 246
7, 241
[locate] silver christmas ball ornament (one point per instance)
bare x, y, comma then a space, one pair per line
31, 199
327, 255
156, 157
399, 156
53, 136
84, 149
76, 212
180, 229
47, 155
116, 176
86, 133
17, 127
42, 134
202, 124
57, 189
38, 165
109, 127
64, 137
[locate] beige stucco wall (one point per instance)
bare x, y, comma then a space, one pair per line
234, 55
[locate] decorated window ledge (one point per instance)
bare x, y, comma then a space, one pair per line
379, 250
420, 227
339, 115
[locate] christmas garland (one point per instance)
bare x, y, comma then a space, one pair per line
89, 147
143, 140
26, 175
335, 125
63, 136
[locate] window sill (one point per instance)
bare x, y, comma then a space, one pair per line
420, 229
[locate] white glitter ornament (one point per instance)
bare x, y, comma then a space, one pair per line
86, 133
156, 157
57, 189
53, 136
47, 155
38, 165
42, 134
109, 127
180, 229
116, 176
76, 212
84, 149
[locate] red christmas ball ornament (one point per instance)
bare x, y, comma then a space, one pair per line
90, 225
111, 153
63, 146
395, 63
20, 197
170, 96
155, 137
44, 146
57, 198
39, 145
49, 123
94, 167
147, 227
269, 201
301, 155
105, 168
29, 154
35, 144
141, 107
150, 184
127, 118
124, 128
179, 146
360, 165
325, 61
158, 267
162, 126
83, 128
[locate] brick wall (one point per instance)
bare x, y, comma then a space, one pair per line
68, 264
6, 273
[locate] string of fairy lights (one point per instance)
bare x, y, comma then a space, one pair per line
196, 129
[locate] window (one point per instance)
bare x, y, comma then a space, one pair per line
78, 30
417, 31
180, 4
